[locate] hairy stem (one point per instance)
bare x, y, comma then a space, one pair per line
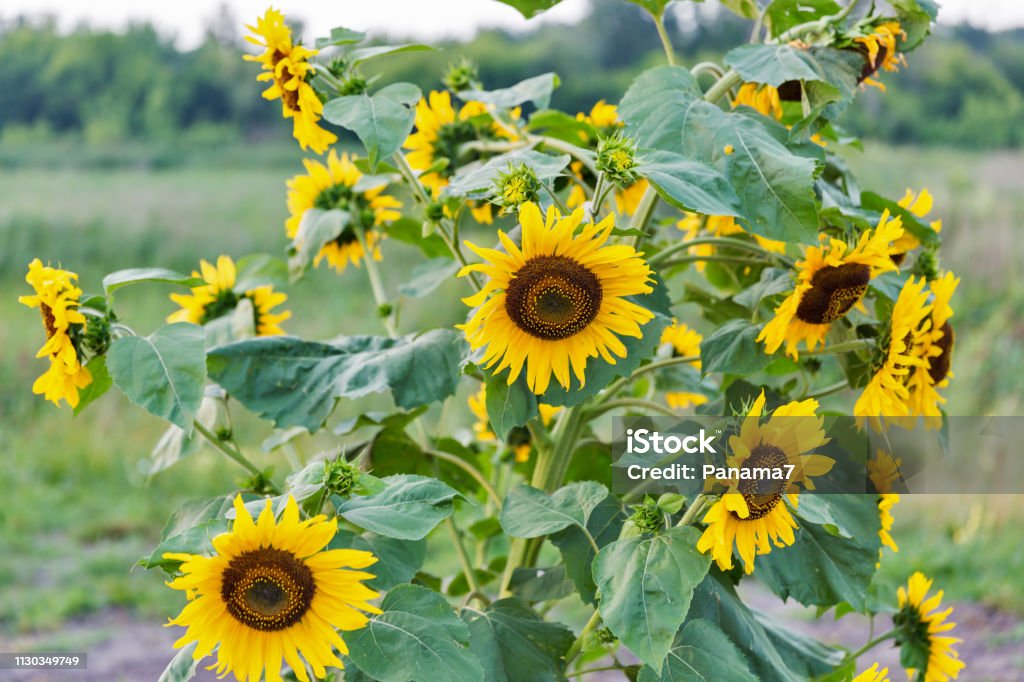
232, 453
492, 494
577, 646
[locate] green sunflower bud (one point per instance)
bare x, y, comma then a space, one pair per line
516, 187
616, 158
356, 85
462, 75
340, 477
647, 517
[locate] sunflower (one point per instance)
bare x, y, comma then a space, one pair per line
752, 512
685, 342
884, 470
873, 674
832, 280
271, 590
57, 299
921, 625
218, 298
761, 97
920, 205
330, 186
440, 132
519, 439
880, 52
286, 66
936, 351
603, 117
556, 300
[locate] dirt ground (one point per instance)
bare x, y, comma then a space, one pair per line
122, 648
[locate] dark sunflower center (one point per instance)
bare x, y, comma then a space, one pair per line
938, 366
553, 297
763, 495
48, 320
267, 589
834, 290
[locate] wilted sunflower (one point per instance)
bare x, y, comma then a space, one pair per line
519, 438
761, 97
880, 52
287, 67
873, 674
924, 647
272, 591
331, 186
218, 298
685, 343
556, 300
920, 205
832, 280
57, 299
753, 513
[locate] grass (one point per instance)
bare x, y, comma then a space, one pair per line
78, 508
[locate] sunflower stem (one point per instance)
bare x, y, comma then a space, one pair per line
713, 258
873, 643
693, 511
233, 454
410, 177
845, 347
707, 67
492, 494
618, 384
467, 568
752, 247
828, 390
376, 285
644, 211
722, 87
598, 410
666, 42
577, 646
599, 195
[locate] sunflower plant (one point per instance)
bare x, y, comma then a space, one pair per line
696, 247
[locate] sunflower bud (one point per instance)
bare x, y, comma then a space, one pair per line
461, 75
260, 482
355, 85
616, 158
516, 187
340, 477
96, 338
647, 518
434, 211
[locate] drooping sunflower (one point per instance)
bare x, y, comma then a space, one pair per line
331, 186
57, 296
271, 591
685, 342
753, 513
557, 299
286, 66
920, 205
519, 440
218, 298
831, 281
924, 647
873, 674
761, 97
880, 52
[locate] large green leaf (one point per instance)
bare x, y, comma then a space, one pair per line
732, 349
399, 560
382, 120
536, 90
296, 383
514, 644
532, 513
478, 179
916, 17
782, 15
428, 276
604, 525
408, 509
688, 185
410, 232
123, 278
164, 372
541, 584
656, 105
182, 667
699, 653
509, 406
340, 36
417, 638
190, 531
100, 384
830, 74
365, 54
530, 8
911, 223
600, 373
646, 585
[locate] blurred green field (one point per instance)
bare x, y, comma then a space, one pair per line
79, 509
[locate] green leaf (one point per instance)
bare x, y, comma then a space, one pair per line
182, 667
428, 276
530, 8
260, 269
508, 406
478, 179
296, 383
163, 373
532, 513
514, 644
747, 9
655, 7
190, 531
408, 509
701, 652
560, 124
100, 383
655, 106
916, 17
688, 185
782, 15
174, 445
123, 278
536, 90
646, 585
399, 560
417, 638
732, 349
317, 228
829, 74
604, 526
364, 54
410, 231
382, 120
773, 281
541, 584
340, 36
600, 373
911, 223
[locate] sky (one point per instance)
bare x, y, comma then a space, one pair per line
423, 19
